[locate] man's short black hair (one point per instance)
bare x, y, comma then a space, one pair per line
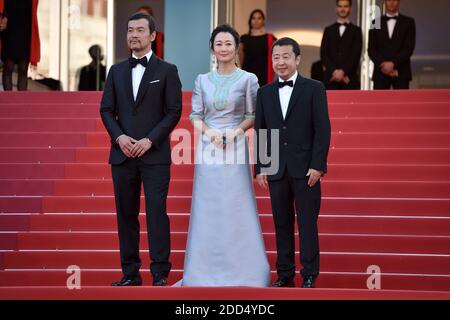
227, 29
288, 42
350, 1
139, 16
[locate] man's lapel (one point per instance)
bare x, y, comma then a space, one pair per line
348, 31
396, 28
295, 94
276, 99
129, 83
336, 31
146, 78
385, 28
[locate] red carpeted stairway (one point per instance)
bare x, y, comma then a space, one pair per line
386, 201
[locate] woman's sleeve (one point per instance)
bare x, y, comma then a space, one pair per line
198, 109
250, 96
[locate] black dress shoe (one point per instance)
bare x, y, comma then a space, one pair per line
128, 281
309, 282
283, 283
159, 281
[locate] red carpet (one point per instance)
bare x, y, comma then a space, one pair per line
386, 201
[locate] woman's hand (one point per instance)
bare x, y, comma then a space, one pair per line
232, 134
215, 137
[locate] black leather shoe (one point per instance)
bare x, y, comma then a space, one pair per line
128, 281
159, 280
283, 283
309, 282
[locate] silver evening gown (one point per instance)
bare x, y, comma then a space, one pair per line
225, 245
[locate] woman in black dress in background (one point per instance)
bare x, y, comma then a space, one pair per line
19, 42
255, 55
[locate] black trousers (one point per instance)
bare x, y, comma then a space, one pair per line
127, 179
284, 193
387, 83
352, 85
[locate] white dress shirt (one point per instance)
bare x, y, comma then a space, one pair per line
137, 74
285, 94
391, 24
343, 26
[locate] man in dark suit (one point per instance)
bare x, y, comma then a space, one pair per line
391, 48
340, 51
141, 105
296, 108
317, 71
92, 76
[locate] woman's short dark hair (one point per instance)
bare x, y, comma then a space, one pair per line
288, 42
251, 17
139, 16
350, 2
224, 28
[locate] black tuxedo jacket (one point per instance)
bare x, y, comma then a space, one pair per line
398, 49
304, 133
344, 52
154, 114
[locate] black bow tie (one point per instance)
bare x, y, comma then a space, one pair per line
392, 18
343, 23
289, 83
134, 62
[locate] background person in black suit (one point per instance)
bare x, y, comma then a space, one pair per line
340, 51
317, 71
141, 105
297, 107
391, 48
92, 76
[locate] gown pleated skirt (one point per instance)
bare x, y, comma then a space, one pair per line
225, 244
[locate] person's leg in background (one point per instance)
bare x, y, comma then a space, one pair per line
354, 84
8, 68
384, 84
333, 85
22, 70
401, 84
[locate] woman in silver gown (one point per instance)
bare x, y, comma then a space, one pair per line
225, 244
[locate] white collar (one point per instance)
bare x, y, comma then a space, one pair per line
392, 15
148, 55
339, 20
293, 78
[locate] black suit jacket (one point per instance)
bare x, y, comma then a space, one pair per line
154, 114
398, 49
305, 133
344, 52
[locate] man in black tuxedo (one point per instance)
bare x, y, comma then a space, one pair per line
340, 51
391, 48
140, 107
297, 109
